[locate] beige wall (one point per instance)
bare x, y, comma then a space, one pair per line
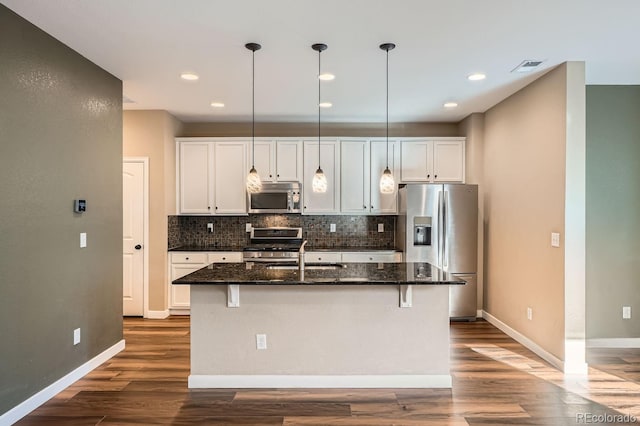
472, 128
151, 134
327, 129
524, 201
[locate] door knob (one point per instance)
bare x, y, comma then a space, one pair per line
138, 247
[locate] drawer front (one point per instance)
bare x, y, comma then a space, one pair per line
372, 257
189, 257
225, 257
322, 256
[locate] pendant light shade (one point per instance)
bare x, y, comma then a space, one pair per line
254, 184
319, 183
387, 182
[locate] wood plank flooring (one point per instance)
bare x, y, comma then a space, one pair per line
496, 381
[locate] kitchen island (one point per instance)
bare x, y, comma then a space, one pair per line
373, 325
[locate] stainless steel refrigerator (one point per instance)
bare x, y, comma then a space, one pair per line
438, 224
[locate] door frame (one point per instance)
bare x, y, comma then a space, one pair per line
145, 240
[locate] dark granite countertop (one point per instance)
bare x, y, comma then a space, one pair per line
308, 248
351, 273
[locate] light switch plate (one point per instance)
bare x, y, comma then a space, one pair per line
83, 239
261, 341
210, 227
76, 336
626, 312
332, 227
381, 227
555, 239
247, 227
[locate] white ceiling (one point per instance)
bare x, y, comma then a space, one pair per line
149, 43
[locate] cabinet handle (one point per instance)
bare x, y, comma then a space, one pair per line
208, 207
277, 175
270, 176
371, 258
187, 258
319, 258
435, 176
364, 207
216, 207
428, 176
224, 258
371, 206
305, 207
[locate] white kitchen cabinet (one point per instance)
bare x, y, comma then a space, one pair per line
362, 165
371, 257
321, 202
230, 173
355, 185
211, 177
278, 160
181, 264
322, 257
195, 181
432, 160
184, 263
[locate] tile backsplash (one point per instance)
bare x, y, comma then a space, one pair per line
229, 231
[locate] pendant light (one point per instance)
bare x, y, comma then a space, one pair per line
254, 184
387, 183
319, 179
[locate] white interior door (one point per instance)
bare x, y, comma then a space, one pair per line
133, 225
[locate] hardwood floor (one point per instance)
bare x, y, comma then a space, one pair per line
496, 381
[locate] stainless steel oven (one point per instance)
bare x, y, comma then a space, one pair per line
273, 245
277, 197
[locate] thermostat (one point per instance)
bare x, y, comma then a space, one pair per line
79, 206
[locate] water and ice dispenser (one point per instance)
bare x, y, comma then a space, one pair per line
422, 231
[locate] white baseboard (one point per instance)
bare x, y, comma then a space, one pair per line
27, 406
479, 313
524, 341
158, 314
179, 312
620, 342
294, 381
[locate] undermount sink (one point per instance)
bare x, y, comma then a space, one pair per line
309, 266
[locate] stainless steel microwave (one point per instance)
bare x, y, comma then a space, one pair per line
276, 197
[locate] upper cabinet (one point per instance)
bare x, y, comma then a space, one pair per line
211, 177
278, 160
321, 202
362, 163
211, 172
432, 160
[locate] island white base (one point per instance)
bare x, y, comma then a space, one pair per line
329, 336
289, 381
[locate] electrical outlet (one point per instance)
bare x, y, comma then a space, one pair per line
247, 227
210, 227
261, 341
555, 239
76, 336
381, 227
529, 314
83, 239
626, 312
332, 227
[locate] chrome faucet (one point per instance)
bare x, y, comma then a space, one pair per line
301, 256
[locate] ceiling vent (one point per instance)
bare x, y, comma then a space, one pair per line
527, 65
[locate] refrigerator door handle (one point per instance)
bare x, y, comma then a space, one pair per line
445, 247
439, 229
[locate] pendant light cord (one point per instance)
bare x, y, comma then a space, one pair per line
319, 52
387, 109
253, 109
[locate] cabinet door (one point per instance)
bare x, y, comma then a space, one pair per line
325, 202
195, 178
289, 161
264, 160
354, 176
225, 257
448, 161
322, 257
372, 257
416, 161
179, 295
230, 171
383, 203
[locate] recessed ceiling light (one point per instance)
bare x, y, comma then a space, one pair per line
326, 76
450, 105
189, 76
477, 77
217, 104
325, 104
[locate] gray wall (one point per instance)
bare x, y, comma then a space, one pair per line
60, 139
613, 210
